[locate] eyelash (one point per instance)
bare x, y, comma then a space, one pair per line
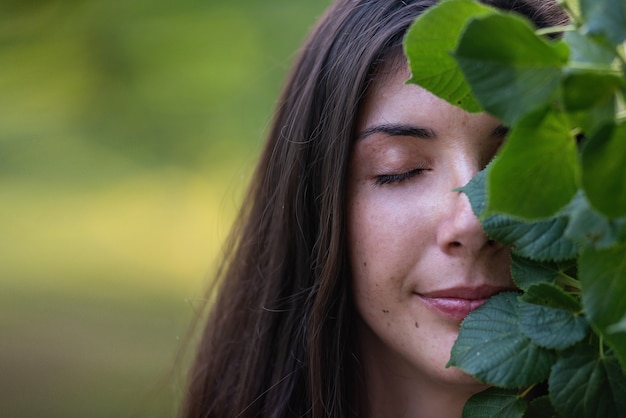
397, 178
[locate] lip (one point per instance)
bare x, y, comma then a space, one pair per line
458, 302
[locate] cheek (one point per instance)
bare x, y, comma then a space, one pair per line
386, 239
383, 228
373, 235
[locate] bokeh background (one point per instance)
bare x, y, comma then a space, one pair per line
128, 131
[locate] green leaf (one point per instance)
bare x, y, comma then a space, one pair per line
491, 347
476, 191
540, 241
495, 402
604, 170
587, 50
543, 240
589, 228
510, 75
539, 147
603, 280
590, 120
552, 328
584, 385
551, 317
541, 408
618, 327
606, 18
551, 296
527, 272
585, 90
428, 44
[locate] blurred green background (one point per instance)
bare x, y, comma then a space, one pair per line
128, 130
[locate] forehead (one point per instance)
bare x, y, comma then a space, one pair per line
384, 74
391, 100
390, 64
389, 92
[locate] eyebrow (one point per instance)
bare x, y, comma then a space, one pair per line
396, 129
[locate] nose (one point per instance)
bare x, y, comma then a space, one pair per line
460, 232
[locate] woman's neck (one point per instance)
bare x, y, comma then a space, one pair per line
393, 388
399, 398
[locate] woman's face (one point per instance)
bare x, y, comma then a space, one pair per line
419, 258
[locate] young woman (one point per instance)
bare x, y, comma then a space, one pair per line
354, 260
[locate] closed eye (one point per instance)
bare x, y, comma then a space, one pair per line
397, 178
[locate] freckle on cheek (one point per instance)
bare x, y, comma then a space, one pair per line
385, 311
417, 325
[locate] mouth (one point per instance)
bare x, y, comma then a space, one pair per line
456, 303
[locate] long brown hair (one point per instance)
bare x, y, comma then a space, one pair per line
279, 340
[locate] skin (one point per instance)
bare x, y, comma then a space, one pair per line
410, 237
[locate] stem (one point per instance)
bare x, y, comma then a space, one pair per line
565, 280
621, 54
555, 29
526, 391
620, 105
603, 69
601, 347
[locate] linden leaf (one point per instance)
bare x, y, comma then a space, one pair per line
586, 90
539, 147
604, 170
495, 402
491, 347
603, 280
618, 327
527, 272
551, 317
510, 75
541, 240
606, 18
582, 384
587, 50
476, 191
589, 228
428, 44
548, 295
